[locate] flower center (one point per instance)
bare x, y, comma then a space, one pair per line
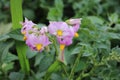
62, 46
24, 32
76, 35
38, 47
59, 32
24, 38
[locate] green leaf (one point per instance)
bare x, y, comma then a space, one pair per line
113, 18
102, 45
75, 50
114, 35
95, 20
54, 14
16, 76
80, 66
59, 4
69, 58
38, 58
45, 62
0, 72
88, 51
53, 68
5, 50
56, 77
94, 78
39, 75
7, 66
10, 57
29, 13
5, 28
116, 49
30, 53
16, 34
4, 37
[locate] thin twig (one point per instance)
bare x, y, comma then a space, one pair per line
75, 64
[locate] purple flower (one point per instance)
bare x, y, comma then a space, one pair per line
75, 23
44, 30
76, 27
27, 25
66, 40
37, 42
35, 38
59, 29
63, 32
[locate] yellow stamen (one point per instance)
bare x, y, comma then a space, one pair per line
59, 33
38, 47
76, 35
62, 46
24, 32
24, 38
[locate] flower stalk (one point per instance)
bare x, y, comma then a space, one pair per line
75, 64
17, 17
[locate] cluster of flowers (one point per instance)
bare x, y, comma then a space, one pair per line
37, 39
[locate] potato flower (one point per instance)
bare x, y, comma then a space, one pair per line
75, 23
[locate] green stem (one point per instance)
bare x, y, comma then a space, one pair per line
16, 12
65, 70
83, 75
75, 64
53, 68
17, 17
57, 53
55, 45
21, 51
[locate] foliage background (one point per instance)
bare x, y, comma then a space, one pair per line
99, 34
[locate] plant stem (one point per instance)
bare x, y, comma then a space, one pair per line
17, 17
76, 63
55, 45
65, 70
53, 68
16, 12
83, 75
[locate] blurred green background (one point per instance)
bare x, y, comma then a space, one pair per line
40, 11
